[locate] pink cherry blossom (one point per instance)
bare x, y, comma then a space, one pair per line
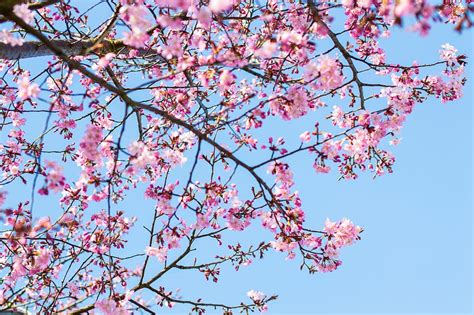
26, 89
89, 150
321, 168
266, 50
255, 295
176, 4
142, 155
109, 307
43, 259
3, 197
329, 73
448, 53
226, 80
7, 38
105, 61
342, 233
136, 17
23, 12
217, 6
305, 136
159, 253
204, 16
168, 114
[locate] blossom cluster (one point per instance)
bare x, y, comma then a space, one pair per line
148, 136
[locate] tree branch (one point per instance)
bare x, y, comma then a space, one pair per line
32, 6
71, 48
317, 18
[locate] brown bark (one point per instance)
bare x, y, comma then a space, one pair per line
37, 49
71, 48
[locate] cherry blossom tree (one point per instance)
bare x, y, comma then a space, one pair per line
177, 101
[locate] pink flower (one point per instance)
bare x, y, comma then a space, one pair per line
395, 141
55, 178
104, 61
18, 268
236, 222
105, 122
26, 89
73, 288
135, 16
289, 39
328, 72
175, 4
340, 119
109, 307
43, 223
256, 296
283, 173
321, 168
42, 260
341, 233
204, 16
299, 97
89, 145
3, 197
160, 253
218, 6
226, 80
202, 220
166, 21
448, 53
7, 38
266, 50
174, 157
283, 246
269, 222
173, 48
163, 205
305, 136
404, 7
22, 11
142, 156
14, 169
293, 104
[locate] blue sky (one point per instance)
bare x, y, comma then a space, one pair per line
415, 255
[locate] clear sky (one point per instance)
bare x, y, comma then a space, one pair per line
415, 255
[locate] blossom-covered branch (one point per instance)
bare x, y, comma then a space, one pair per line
180, 103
